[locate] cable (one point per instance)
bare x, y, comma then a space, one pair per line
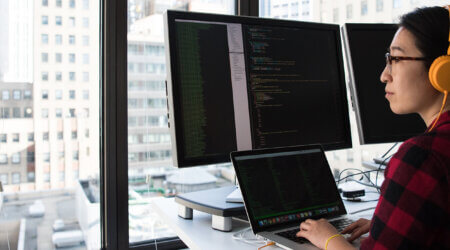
240, 236
379, 169
266, 245
363, 210
387, 152
360, 172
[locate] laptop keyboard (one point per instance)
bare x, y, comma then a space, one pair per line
290, 234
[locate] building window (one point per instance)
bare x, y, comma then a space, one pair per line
364, 8
28, 112
58, 94
61, 155
30, 137
85, 22
44, 20
44, 38
58, 113
44, 76
46, 157
72, 113
58, 76
17, 94
86, 112
85, 58
396, 4
71, 58
72, 76
59, 3
85, 40
86, 133
4, 112
44, 94
16, 112
44, 2
58, 57
46, 177
58, 20
85, 94
15, 178
72, 4
3, 159
30, 176
349, 11
85, 76
44, 113
5, 95
27, 95
15, 158
30, 156
75, 156
45, 136
58, 39
15, 137
3, 138
85, 4
72, 94
71, 39
379, 5
4, 179
60, 135
74, 134
72, 21
44, 57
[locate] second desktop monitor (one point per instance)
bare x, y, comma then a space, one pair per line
240, 83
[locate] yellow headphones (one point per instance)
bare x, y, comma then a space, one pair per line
439, 75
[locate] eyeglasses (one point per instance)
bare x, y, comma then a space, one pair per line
390, 58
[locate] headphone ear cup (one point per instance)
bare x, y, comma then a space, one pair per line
439, 73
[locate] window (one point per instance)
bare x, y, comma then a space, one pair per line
58, 39
364, 8
46, 157
75, 155
46, 177
86, 133
27, 95
44, 57
44, 76
60, 135
379, 5
58, 113
85, 22
74, 134
72, 4
85, 4
85, 76
30, 156
58, 76
3, 138
85, 40
44, 38
85, 94
44, 94
4, 112
85, 58
15, 137
396, 4
72, 76
15, 178
72, 21
58, 57
45, 136
44, 2
58, 94
72, 113
59, 3
17, 94
4, 179
72, 94
72, 58
16, 112
3, 159
28, 113
61, 155
349, 9
71, 39
44, 113
15, 158
44, 20
30, 137
5, 95
58, 20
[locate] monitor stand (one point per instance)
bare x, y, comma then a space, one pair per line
235, 196
212, 201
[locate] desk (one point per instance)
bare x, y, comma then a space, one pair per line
198, 234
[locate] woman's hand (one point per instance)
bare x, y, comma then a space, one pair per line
356, 229
317, 231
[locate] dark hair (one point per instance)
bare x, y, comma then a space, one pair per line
430, 27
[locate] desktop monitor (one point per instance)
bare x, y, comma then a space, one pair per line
365, 46
241, 83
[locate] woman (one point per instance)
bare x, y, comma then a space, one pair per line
413, 211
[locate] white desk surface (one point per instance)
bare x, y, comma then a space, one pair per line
198, 233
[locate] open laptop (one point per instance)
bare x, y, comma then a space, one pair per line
282, 187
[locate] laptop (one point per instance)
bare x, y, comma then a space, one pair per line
282, 187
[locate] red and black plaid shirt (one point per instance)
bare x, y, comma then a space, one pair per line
413, 211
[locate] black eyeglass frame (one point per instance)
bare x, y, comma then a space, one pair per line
390, 58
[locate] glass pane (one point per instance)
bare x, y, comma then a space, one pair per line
49, 171
150, 168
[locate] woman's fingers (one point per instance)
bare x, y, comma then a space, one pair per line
305, 226
350, 228
355, 235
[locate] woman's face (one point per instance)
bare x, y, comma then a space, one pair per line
408, 88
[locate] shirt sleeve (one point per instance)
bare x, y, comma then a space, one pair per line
412, 211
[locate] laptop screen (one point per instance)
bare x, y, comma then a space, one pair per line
286, 185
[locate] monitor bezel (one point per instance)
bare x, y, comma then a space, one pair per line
172, 93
